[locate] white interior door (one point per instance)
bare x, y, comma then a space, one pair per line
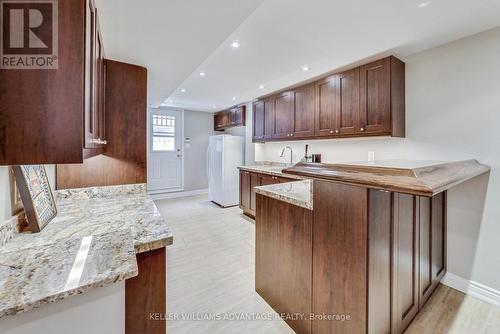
165, 168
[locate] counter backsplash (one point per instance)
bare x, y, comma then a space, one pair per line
99, 192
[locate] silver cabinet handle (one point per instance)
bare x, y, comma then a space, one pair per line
99, 141
291, 135
337, 131
362, 129
331, 131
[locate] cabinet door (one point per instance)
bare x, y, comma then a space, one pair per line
375, 97
100, 88
218, 122
245, 190
232, 116
90, 76
258, 120
347, 111
282, 115
254, 182
432, 245
238, 116
303, 105
268, 118
326, 105
438, 217
405, 302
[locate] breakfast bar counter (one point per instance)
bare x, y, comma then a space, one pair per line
377, 231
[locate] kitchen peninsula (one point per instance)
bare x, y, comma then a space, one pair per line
378, 235
101, 236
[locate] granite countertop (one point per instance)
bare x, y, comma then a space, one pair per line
271, 168
298, 193
96, 234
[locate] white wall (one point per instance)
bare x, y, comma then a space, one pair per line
198, 126
453, 113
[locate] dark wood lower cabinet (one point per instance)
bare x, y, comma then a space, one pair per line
378, 256
432, 244
146, 295
405, 261
283, 257
250, 180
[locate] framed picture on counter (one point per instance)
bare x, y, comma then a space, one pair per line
36, 195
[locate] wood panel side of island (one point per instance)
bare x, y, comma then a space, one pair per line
146, 295
283, 259
340, 257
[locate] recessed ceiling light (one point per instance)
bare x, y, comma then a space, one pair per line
262, 87
214, 106
234, 98
202, 74
183, 90
170, 101
305, 68
235, 44
424, 4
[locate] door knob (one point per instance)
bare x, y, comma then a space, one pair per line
362, 129
337, 131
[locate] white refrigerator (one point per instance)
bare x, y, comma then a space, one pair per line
225, 153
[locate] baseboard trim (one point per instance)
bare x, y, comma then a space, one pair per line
472, 288
179, 194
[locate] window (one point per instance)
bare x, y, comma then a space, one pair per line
163, 133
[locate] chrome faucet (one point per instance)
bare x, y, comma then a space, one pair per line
291, 153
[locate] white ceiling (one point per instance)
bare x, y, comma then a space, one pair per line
169, 37
176, 40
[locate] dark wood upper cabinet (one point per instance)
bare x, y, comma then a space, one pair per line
268, 118
282, 115
124, 159
237, 116
42, 111
90, 75
375, 97
303, 107
232, 117
258, 120
95, 84
53, 116
326, 106
347, 111
368, 100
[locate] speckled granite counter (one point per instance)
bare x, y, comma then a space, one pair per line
298, 193
274, 169
91, 243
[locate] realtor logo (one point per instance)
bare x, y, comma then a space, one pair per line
29, 33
